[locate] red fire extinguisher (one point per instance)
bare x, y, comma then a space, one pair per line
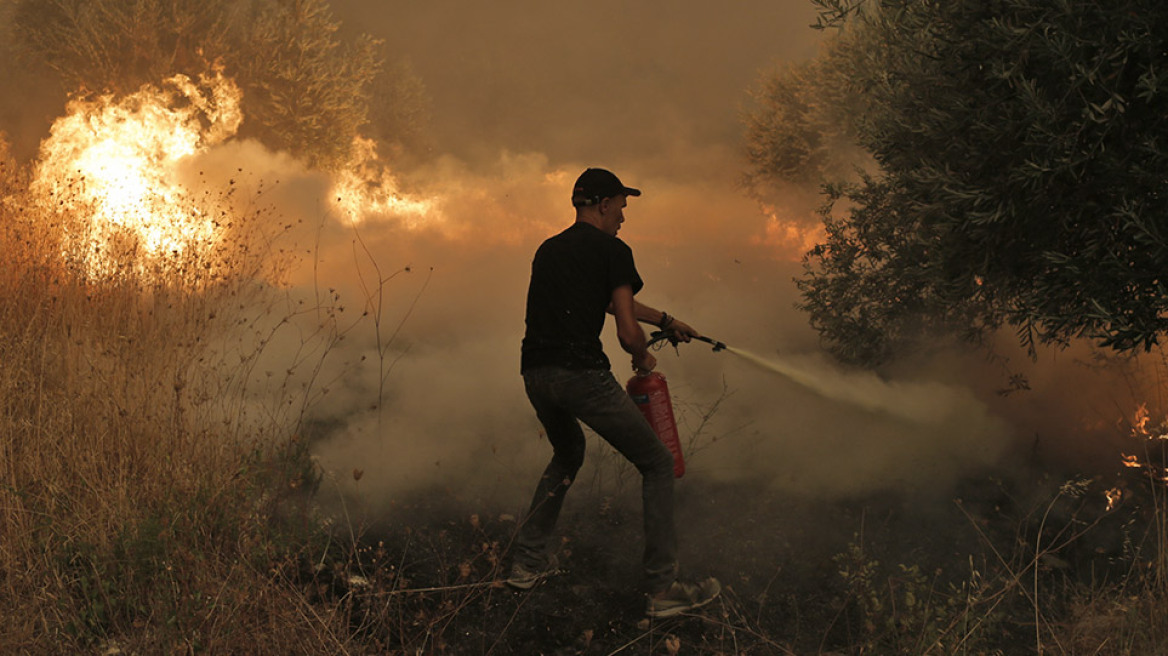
651, 394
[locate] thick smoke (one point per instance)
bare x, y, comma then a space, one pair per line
526, 96
424, 387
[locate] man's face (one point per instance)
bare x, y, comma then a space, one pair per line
612, 213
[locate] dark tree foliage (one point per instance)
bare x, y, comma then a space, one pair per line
311, 89
802, 128
399, 111
782, 140
1022, 151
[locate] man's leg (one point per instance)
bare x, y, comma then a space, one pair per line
601, 403
567, 440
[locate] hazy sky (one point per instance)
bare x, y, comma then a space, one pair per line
603, 81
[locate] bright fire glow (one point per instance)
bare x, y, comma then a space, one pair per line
111, 167
113, 164
1140, 421
1113, 496
366, 189
791, 237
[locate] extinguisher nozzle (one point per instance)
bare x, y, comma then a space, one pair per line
718, 346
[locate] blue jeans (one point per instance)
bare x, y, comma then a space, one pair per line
562, 398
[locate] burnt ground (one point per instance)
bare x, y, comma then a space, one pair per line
922, 565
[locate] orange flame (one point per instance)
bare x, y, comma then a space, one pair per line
789, 236
113, 163
1113, 496
111, 167
1140, 420
366, 189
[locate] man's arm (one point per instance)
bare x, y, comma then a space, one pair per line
660, 319
628, 331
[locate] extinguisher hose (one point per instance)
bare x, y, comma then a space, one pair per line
659, 336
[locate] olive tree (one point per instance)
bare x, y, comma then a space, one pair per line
119, 45
1020, 174
310, 89
307, 90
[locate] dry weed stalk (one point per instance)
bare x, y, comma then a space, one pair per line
140, 473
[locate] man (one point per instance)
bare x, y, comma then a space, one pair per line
576, 277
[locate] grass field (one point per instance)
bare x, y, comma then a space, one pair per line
151, 502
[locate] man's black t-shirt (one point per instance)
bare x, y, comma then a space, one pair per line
572, 279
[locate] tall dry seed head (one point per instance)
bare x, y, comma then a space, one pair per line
130, 446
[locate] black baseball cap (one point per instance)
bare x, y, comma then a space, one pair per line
594, 185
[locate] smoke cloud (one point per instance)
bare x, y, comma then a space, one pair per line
424, 390
528, 94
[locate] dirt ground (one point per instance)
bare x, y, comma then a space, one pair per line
800, 576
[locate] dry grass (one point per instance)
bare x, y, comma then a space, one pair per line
152, 502
140, 489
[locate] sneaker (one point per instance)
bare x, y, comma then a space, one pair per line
681, 597
525, 578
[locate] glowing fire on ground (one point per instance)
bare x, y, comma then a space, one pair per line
114, 163
1141, 431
